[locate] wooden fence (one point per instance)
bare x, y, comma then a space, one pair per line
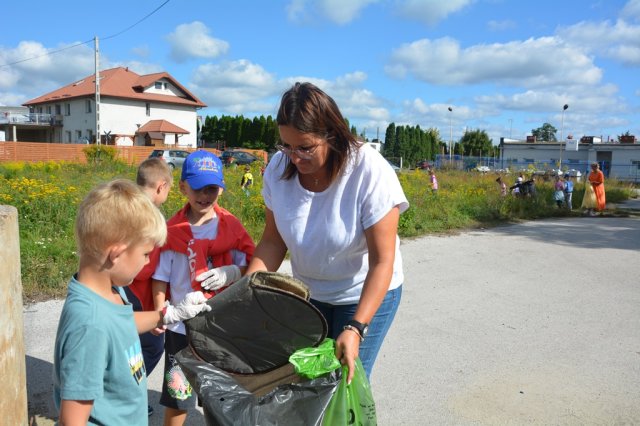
42, 151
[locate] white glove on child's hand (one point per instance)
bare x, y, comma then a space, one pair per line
189, 307
216, 278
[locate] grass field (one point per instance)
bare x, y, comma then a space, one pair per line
47, 195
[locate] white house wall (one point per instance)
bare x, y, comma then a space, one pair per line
121, 116
77, 120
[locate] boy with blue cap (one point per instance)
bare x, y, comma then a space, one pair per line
207, 249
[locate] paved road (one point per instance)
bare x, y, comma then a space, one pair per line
534, 323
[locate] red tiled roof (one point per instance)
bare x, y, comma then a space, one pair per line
161, 126
120, 83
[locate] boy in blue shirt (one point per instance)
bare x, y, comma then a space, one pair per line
568, 191
99, 373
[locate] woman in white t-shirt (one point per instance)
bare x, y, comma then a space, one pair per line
334, 204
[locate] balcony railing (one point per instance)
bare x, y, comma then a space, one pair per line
30, 118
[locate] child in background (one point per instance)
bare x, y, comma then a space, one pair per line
247, 180
558, 193
502, 185
434, 182
155, 178
97, 357
207, 248
568, 191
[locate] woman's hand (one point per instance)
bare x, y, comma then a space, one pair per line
347, 349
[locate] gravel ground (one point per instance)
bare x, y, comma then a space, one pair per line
532, 323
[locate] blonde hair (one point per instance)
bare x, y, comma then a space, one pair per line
153, 170
117, 212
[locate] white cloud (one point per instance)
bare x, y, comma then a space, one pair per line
541, 62
631, 11
238, 87
342, 12
505, 25
193, 41
141, 51
46, 68
11, 99
337, 11
619, 41
430, 11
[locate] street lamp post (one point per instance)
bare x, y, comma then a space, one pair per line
450, 133
564, 108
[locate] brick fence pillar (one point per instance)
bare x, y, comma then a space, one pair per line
13, 403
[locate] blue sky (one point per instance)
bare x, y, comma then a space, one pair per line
503, 66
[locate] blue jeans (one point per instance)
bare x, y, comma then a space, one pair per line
338, 315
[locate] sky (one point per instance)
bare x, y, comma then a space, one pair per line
503, 66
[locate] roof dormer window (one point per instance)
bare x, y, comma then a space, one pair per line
158, 85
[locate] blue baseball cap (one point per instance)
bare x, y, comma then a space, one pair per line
202, 168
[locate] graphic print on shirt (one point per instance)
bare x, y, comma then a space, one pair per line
177, 385
136, 362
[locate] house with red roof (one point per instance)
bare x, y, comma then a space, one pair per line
153, 109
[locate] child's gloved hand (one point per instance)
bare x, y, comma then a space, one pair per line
216, 278
189, 307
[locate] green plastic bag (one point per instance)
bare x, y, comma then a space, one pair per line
351, 404
314, 362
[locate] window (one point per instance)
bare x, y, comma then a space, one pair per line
68, 135
87, 105
148, 106
636, 163
48, 109
58, 109
67, 109
90, 135
158, 85
78, 134
165, 86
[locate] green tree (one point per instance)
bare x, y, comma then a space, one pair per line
389, 140
476, 143
545, 133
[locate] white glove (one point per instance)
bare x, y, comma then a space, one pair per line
189, 307
216, 278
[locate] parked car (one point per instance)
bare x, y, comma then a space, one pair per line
423, 164
239, 158
173, 157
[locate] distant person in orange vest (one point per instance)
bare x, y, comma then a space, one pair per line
596, 179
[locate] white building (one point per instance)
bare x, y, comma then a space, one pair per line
619, 160
152, 109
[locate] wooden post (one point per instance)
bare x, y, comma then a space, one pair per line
13, 404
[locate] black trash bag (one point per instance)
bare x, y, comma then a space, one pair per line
237, 358
226, 402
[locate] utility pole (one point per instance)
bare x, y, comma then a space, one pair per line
97, 73
450, 134
564, 108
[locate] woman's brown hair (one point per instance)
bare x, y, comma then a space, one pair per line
308, 109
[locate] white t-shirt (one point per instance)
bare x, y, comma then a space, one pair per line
324, 231
173, 267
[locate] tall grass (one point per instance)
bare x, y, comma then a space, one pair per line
47, 195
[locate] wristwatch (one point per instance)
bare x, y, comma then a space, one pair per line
360, 328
